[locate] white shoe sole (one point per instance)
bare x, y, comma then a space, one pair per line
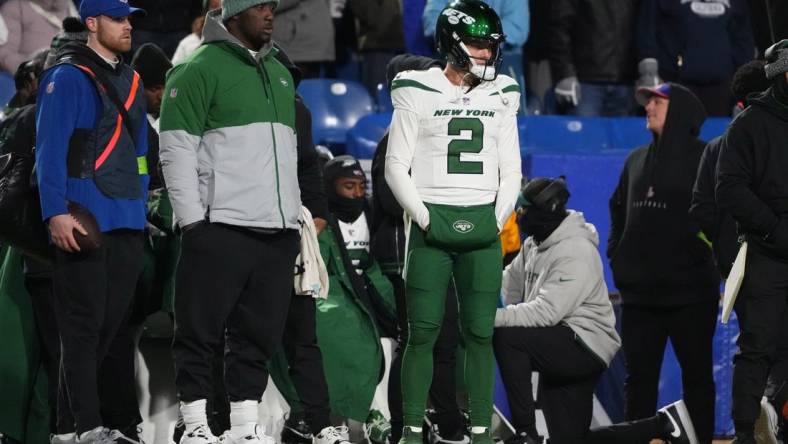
766, 425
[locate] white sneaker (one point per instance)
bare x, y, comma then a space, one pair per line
258, 437
99, 435
120, 438
767, 425
68, 438
332, 435
200, 435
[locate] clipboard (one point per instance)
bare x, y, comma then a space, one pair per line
733, 284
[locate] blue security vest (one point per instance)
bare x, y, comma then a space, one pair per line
107, 153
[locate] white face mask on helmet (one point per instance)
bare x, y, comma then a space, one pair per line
484, 71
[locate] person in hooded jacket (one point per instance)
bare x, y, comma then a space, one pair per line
360, 307
229, 157
388, 248
303, 354
718, 226
661, 264
558, 321
751, 186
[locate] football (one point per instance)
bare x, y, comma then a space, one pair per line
91, 241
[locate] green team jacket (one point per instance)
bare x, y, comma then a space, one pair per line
347, 336
228, 142
24, 407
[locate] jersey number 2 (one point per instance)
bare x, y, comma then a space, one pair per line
459, 146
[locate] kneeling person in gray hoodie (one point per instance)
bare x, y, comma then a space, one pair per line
558, 321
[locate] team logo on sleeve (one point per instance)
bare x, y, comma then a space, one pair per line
462, 226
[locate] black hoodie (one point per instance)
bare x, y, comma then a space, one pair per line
388, 227
752, 172
654, 249
310, 178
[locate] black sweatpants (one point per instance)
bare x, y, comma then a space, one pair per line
443, 391
233, 277
690, 328
761, 310
93, 293
306, 362
568, 374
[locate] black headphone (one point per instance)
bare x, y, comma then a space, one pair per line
552, 198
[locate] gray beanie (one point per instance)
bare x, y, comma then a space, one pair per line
231, 8
777, 59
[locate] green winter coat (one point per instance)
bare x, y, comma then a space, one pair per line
24, 407
347, 336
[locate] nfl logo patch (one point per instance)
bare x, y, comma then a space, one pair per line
50, 87
466, 100
174, 93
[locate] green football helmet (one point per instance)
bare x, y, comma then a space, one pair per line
470, 22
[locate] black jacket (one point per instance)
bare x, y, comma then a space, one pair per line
388, 226
752, 183
718, 226
378, 25
166, 15
698, 42
310, 174
593, 40
769, 20
654, 249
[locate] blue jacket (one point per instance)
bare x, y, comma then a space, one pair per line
712, 38
68, 100
513, 13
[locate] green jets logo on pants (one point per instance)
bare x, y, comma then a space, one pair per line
462, 226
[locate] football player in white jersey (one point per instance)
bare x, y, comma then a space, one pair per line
453, 163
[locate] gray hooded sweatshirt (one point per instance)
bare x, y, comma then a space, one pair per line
561, 282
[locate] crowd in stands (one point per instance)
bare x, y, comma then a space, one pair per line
598, 58
573, 57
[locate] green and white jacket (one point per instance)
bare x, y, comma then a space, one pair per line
228, 143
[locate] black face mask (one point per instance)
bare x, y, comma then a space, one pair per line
344, 208
540, 224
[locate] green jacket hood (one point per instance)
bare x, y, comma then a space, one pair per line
214, 31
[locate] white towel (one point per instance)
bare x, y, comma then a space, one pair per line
733, 284
311, 277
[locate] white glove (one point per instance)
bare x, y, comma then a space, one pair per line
567, 91
649, 73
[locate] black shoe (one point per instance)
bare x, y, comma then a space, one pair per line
679, 428
524, 438
296, 431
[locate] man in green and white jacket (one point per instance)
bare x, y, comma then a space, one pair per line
228, 152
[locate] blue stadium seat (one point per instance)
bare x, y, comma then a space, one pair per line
564, 133
384, 99
627, 133
713, 127
336, 106
7, 88
363, 138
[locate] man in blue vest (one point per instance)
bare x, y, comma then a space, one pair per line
90, 151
